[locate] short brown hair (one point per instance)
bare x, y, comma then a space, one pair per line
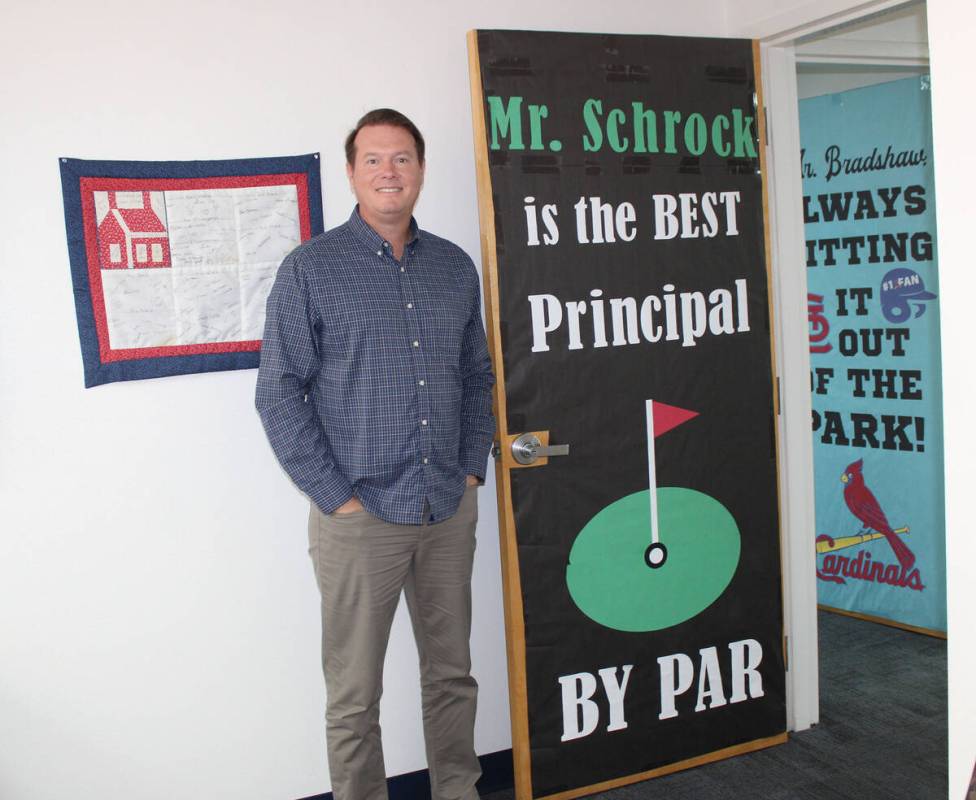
384, 116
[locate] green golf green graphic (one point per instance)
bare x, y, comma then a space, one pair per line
654, 558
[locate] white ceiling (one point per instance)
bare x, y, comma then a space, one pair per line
881, 48
899, 36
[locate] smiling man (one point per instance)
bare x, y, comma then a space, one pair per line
375, 392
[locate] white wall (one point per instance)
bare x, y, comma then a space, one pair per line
158, 615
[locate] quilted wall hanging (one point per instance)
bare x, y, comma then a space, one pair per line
172, 261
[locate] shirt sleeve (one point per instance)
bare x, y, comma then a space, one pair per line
289, 365
477, 420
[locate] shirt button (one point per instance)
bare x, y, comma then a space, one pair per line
423, 422
409, 305
425, 460
403, 269
386, 244
379, 253
422, 383
416, 343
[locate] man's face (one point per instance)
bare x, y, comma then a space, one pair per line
386, 175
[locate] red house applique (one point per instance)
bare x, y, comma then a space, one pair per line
132, 238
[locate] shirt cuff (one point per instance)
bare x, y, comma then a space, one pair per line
475, 462
331, 493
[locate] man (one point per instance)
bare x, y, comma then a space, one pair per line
374, 390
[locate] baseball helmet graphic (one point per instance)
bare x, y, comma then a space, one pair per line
899, 288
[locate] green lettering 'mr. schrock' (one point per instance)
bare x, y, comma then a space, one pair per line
625, 130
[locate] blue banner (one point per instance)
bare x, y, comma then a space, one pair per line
873, 308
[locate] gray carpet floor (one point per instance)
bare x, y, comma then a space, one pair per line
882, 732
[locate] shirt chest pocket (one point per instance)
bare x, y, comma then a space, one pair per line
361, 323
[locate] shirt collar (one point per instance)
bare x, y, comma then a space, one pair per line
362, 230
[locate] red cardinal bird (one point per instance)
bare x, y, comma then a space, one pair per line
865, 507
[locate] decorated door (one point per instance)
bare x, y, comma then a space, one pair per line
627, 298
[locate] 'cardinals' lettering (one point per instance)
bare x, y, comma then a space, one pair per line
836, 568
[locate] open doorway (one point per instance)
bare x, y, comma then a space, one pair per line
832, 63
873, 308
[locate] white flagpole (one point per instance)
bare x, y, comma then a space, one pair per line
651, 469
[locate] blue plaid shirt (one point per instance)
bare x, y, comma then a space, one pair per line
375, 380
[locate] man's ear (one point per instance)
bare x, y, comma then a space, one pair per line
349, 173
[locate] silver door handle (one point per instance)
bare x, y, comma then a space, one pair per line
527, 448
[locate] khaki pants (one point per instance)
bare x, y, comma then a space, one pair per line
361, 564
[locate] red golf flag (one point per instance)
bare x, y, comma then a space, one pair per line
667, 417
